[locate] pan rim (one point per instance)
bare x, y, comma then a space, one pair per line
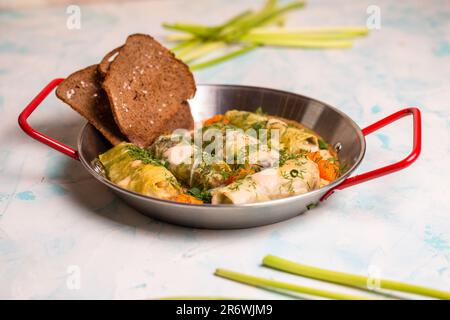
321, 190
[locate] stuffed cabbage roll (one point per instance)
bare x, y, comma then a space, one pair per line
294, 139
246, 120
296, 176
133, 168
190, 164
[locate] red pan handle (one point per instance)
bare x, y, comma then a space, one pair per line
417, 145
61, 147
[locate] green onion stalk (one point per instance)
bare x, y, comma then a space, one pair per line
248, 30
347, 279
223, 58
279, 286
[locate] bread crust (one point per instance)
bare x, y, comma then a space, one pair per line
103, 66
148, 87
83, 93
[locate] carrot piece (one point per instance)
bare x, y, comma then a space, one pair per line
328, 170
186, 198
239, 175
213, 119
314, 156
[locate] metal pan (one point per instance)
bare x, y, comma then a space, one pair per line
336, 127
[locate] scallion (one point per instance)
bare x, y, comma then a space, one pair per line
348, 279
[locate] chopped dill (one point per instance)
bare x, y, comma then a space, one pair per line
285, 156
145, 156
252, 183
236, 185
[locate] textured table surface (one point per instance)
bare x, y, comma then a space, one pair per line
56, 222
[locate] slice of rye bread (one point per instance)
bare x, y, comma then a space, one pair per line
83, 92
103, 66
147, 87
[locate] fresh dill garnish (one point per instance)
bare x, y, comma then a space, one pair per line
236, 185
252, 183
172, 180
289, 184
285, 175
285, 156
203, 195
145, 156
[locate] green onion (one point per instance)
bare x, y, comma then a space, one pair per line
195, 29
233, 21
205, 32
348, 279
292, 33
185, 44
249, 29
201, 51
311, 44
223, 58
179, 37
268, 284
264, 16
295, 37
350, 31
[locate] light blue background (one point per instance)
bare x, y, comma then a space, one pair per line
53, 215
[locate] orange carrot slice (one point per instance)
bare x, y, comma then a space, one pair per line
328, 170
186, 198
213, 119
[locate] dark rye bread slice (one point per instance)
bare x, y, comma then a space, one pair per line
182, 119
103, 66
82, 91
147, 87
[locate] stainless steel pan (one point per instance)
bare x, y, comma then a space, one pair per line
335, 126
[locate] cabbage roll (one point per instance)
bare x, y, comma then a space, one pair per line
132, 168
246, 120
296, 176
296, 140
190, 165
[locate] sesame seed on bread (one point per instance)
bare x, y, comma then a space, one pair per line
83, 92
